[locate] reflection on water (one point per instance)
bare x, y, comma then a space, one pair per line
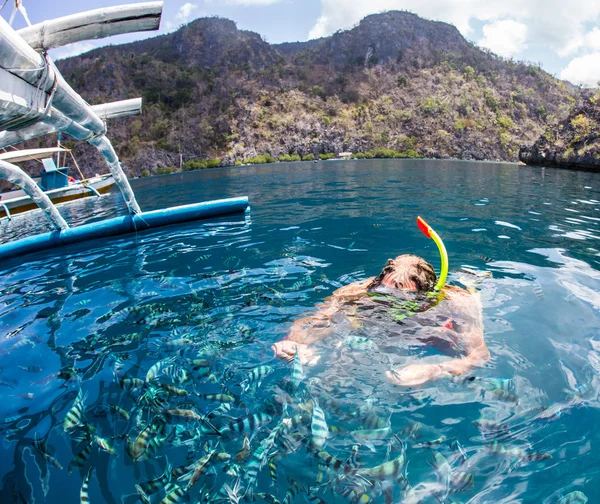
205, 301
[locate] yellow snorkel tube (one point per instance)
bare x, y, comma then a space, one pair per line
430, 233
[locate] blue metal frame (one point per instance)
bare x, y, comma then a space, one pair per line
122, 225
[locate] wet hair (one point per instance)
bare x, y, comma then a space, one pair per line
409, 268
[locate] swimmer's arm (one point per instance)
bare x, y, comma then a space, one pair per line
468, 309
316, 327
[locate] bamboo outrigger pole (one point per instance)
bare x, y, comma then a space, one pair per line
17, 176
94, 24
23, 62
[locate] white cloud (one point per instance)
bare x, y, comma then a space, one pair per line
592, 39
184, 14
71, 50
557, 25
583, 70
506, 38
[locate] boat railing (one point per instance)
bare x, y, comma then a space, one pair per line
38, 101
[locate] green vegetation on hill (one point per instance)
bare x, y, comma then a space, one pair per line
394, 86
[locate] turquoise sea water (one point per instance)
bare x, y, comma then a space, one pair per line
224, 290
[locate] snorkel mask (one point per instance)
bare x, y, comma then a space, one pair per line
430, 233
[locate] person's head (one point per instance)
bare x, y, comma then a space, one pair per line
407, 272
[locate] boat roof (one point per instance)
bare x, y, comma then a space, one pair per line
30, 154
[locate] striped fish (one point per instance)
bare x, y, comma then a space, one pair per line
335, 464
81, 458
297, 373
387, 471
176, 373
104, 445
293, 490
178, 494
576, 497
199, 468
273, 469
258, 459
353, 458
318, 428
435, 444
256, 376
356, 495
224, 398
246, 425
505, 396
158, 368
84, 497
461, 481
372, 421
74, 416
132, 384
538, 291
245, 452
154, 485
491, 384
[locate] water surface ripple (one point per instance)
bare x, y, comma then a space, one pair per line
220, 292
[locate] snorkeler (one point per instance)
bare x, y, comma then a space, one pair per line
456, 315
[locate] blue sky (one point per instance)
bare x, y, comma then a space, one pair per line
564, 36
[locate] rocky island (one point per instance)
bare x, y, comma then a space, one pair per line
396, 85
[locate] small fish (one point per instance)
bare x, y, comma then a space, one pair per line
158, 368
273, 469
485, 259
387, 471
132, 384
104, 445
178, 494
74, 416
412, 430
353, 458
491, 384
203, 257
256, 376
576, 497
172, 390
32, 369
244, 453
224, 398
335, 464
246, 425
42, 448
83, 302
376, 225
84, 497
505, 396
538, 291
318, 428
461, 481
154, 485
435, 444
176, 373
81, 458
297, 373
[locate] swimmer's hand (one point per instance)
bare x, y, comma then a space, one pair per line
415, 374
286, 350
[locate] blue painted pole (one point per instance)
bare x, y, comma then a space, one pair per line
121, 225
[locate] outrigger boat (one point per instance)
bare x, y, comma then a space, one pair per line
56, 182
35, 100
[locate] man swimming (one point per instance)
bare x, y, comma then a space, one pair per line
456, 315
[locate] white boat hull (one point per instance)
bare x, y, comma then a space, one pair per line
17, 201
